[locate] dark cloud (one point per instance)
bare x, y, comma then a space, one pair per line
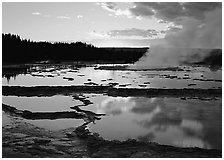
174, 11
141, 10
173, 29
134, 32
197, 9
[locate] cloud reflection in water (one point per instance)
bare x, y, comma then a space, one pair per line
164, 120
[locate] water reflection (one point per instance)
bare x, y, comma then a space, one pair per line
197, 77
169, 121
172, 121
110, 107
42, 104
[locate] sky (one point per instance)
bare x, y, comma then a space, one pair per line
103, 24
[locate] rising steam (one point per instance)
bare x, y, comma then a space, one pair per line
191, 44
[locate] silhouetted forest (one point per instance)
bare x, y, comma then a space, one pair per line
17, 50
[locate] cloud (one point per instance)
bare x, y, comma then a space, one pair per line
36, 13
112, 7
132, 33
174, 29
173, 11
141, 10
109, 6
162, 21
150, 33
79, 16
99, 34
164, 11
121, 42
64, 17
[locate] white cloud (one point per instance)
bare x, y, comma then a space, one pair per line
132, 33
162, 21
112, 7
139, 18
79, 16
36, 13
64, 17
99, 34
135, 33
120, 12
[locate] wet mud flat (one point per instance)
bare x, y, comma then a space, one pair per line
21, 139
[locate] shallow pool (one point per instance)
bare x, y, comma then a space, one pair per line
171, 121
189, 77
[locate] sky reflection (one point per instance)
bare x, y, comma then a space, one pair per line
54, 76
171, 121
164, 120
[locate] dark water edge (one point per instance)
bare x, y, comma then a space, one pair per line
111, 91
21, 139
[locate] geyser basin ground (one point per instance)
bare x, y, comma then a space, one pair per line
170, 121
138, 105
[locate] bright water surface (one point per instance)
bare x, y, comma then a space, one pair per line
191, 77
172, 121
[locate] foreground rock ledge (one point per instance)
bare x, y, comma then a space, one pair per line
111, 91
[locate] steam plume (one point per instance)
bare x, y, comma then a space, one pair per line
191, 44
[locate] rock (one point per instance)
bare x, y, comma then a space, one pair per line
192, 84
69, 79
61, 143
49, 75
7, 127
19, 135
41, 140
71, 134
65, 139
141, 155
102, 154
142, 85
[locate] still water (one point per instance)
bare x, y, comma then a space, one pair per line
190, 77
171, 121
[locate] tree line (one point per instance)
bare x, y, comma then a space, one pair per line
17, 50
